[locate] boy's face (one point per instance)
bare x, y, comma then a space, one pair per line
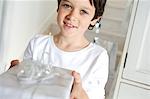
74, 16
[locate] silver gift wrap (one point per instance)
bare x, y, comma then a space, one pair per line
33, 80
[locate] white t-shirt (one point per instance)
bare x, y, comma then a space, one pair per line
91, 62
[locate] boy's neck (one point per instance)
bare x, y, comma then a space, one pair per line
70, 44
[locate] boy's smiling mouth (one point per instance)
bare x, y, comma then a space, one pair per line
69, 25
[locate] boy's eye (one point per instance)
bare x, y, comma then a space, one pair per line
66, 6
84, 12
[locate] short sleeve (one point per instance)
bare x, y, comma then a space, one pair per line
28, 54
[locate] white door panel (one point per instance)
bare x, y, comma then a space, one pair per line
127, 91
137, 66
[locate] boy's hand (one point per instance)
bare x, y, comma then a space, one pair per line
77, 91
13, 63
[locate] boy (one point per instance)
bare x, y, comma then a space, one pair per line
71, 50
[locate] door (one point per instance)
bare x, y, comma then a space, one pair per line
137, 66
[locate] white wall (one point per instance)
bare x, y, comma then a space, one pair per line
1, 21
22, 20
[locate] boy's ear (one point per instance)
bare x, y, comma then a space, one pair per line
93, 22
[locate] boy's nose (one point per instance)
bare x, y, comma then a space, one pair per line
73, 15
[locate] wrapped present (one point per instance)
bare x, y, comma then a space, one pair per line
33, 80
